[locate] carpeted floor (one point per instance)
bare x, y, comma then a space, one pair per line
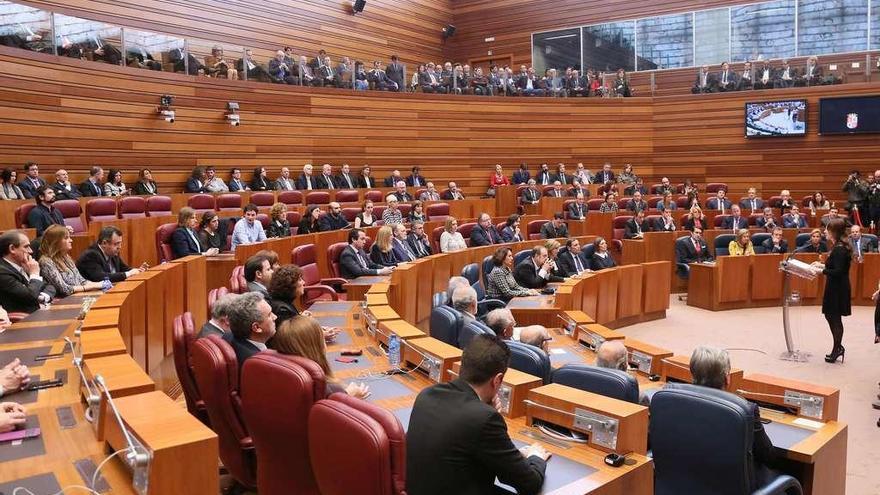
754, 339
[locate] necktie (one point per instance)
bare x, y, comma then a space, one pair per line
361, 259
309, 182
698, 248
329, 182
753, 204
408, 252
577, 263
724, 80
95, 187
859, 248
562, 178
193, 237
416, 181
420, 249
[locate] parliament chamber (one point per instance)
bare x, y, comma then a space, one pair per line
125, 394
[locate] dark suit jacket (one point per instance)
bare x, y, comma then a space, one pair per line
630, 229
548, 231
260, 184
414, 242
234, 187
633, 205
403, 197
27, 187
790, 223
577, 213
329, 222
746, 204
392, 181
600, 177
141, 190
526, 275
599, 263
447, 195
508, 234
539, 178
350, 268
659, 225
61, 192
743, 223
343, 184
530, 195
192, 186
362, 181
182, 244
19, 294
243, 349
95, 267
769, 248
88, 189
41, 218
565, 179
382, 259
762, 222
301, 182
456, 444
210, 329
399, 249
566, 265
685, 252
713, 204
411, 181
282, 309
866, 245
325, 182
483, 237
521, 176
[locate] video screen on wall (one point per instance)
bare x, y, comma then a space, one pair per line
849, 115
776, 118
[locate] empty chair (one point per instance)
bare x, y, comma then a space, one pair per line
445, 324
159, 206
521, 256
435, 239
229, 202
722, 243
279, 428
290, 198
682, 269
529, 359
237, 282
471, 272
718, 457
263, 199
603, 381
72, 212
802, 238
21, 214
594, 204
101, 210
470, 330
757, 241
316, 287
713, 187
132, 207
182, 336
333, 253
465, 231
202, 203
215, 294
263, 219
346, 196
374, 196
719, 220
163, 241
487, 267
350, 214
216, 370
534, 229
317, 198
379, 468
437, 211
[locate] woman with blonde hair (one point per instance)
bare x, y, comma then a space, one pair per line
278, 224
694, 219
553, 247
451, 239
742, 245
56, 265
302, 336
381, 252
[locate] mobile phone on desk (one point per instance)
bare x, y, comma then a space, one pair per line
14, 435
44, 384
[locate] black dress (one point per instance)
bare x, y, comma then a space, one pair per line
306, 227
278, 228
381, 258
600, 263
836, 300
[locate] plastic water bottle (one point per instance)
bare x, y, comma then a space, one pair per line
394, 351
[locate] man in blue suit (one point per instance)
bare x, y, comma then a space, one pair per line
521, 175
793, 219
752, 202
399, 245
735, 221
484, 232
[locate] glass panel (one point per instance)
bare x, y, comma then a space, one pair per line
764, 30
25, 27
608, 47
829, 26
556, 50
665, 42
88, 40
210, 59
875, 25
711, 36
152, 51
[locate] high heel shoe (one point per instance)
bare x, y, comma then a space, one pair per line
839, 352
877, 339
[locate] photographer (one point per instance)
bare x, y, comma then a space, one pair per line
856, 190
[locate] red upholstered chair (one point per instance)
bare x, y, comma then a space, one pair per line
237, 282
654, 201
228, 202
594, 204
163, 241
681, 202
465, 230
279, 428
290, 198
317, 198
622, 202
404, 210
216, 370
774, 201
132, 207
652, 219
346, 196
316, 287
805, 202
719, 220
565, 206
437, 211
72, 212
333, 253
293, 218
418, 193
21, 214
159, 206
350, 213
753, 218
377, 212
656, 188
618, 225
215, 294
263, 219
534, 228
374, 196
372, 431
201, 203
263, 199
713, 187
435, 239
101, 210
182, 336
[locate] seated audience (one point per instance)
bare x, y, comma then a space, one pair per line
577, 188
284, 182
251, 325
394, 178
345, 180
101, 260
530, 195
818, 202
535, 336
45, 214
391, 215
418, 240
536, 271
832, 214
430, 193
381, 251
693, 249
742, 245
326, 180
637, 203
285, 287
235, 182
260, 181
501, 322
258, 273
767, 220
451, 239
786, 202
248, 230
416, 213
310, 222
464, 300
636, 226
544, 177
354, 262
610, 204
8, 188
457, 442
365, 218
511, 231
455, 282
278, 224
705, 81
32, 180
196, 181
752, 201
213, 183
628, 176
775, 244
145, 186
58, 268
612, 354
556, 191
719, 202
114, 186
668, 203
400, 248
212, 232
793, 219
696, 219
184, 240
555, 228
571, 261
665, 223
578, 210
861, 245
484, 233
219, 322
415, 178
333, 220
601, 258
62, 186
366, 180
735, 221
452, 192
502, 285
726, 78
22, 289
605, 176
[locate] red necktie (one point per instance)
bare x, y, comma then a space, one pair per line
698, 247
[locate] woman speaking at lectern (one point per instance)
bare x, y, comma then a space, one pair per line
836, 300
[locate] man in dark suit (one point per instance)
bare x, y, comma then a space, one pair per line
752, 201
637, 203
577, 188
258, 273
605, 176
775, 244
521, 175
32, 180
860, 244
484, 233
219, 322
457, 442
665, 223
692, 249
636, 226
345, 180
764, 76
529, 84
400, 246
719, 202
235, 183
554, 228
22, 290
727, 80
196, 182
63, 188
556, 191
44, 214
392, 180
365, 179
735, 221
400, 192
530, 195
536, 271
306, 181
354, 262
452, 192
279, 69
572, 261
430, 82
92, 186
544, 177
333, 220
578, 210
394, 72
101, 260
767, 221
379, 79
418, 241
561, 176
636, 187
416, 179
326, 180
251, 325
705, 81
793, 219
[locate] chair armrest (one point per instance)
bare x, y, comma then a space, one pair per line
683, 270
14, 317
487, 305
326, 289
333, 281
781, 485
247, 443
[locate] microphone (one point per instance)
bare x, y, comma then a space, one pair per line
570, 324
94, 398
138, 457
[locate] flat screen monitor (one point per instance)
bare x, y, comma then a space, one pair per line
849, 115
776, 118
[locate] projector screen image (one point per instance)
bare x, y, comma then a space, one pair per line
776, 118
850, 115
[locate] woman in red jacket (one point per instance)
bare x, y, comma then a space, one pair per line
497, 179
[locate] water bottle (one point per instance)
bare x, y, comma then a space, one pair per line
106, 285
394, 351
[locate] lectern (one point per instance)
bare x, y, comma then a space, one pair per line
792, 267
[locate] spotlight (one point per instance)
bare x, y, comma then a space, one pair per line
165, 110
232, 115
358, 6
448, 31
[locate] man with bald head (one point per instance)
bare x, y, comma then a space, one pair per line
326, 180
63, 188
535, 335
400, 192
612, 354
453, 192
284, 182
333, 220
